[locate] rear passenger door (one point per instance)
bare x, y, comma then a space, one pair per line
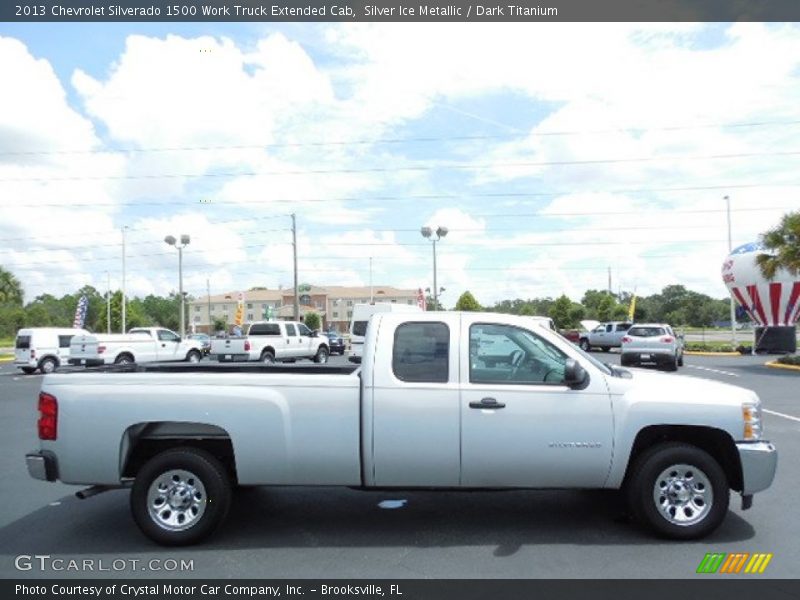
415, 411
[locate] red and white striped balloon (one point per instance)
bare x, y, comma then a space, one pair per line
770, 303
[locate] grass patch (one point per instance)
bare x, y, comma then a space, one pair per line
6, 342
709, 347
790, 359
3, 355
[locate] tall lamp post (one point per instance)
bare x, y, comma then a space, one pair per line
170, 239
428, 233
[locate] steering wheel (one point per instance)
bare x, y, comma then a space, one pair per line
517, 358
549, 372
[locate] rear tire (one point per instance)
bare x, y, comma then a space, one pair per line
625, 360
585, 345
322, 355
672, 364
180, 496
48, 365
678, 490
680, 360
606, 348
124, 359
268, 357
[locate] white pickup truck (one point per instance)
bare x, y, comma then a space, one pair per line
273, 341
424, 410
139, 345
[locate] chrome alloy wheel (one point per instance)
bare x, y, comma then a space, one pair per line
176, 500
683, 495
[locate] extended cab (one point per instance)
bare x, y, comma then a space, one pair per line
139, 345
605, 336
424, 410
273, 341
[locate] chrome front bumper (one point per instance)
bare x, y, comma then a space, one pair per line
759, 462
42, 465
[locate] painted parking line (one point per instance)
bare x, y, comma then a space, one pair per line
777, 414
728, 373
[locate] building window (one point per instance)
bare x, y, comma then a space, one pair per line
349, 314
197, 308
411, 302
249, 316
335, 314
197, 318
349, 303
393, 300
250, 305
264, 306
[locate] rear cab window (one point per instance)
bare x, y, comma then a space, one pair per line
360, 328
265, 329
421, 352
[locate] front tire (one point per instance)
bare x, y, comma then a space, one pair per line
180, 496
679, 491
193, 356
322, 355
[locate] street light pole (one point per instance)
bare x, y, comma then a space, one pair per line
185, 239
123, 278
730, 249
427, 233
294, 252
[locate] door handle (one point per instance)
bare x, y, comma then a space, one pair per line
489, 403
163, 345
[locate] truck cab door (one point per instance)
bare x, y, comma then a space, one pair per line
521, 425
290, 343
306, 341
166, 345
411, 407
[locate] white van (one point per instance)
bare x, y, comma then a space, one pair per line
43, 348
361, 315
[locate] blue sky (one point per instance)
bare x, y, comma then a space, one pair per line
552, 153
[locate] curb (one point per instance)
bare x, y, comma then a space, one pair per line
698, 353
776, 365
6, 359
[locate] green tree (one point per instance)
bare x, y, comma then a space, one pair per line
10, 289
604, 310
12, 319
560, 312
312, 321
431, 304
783, 244
220, 324
467, 302
36, 316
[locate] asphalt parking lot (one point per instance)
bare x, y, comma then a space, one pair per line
341, 533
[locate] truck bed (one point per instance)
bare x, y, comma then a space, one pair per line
223, 368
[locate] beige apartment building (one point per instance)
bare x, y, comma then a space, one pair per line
334, 304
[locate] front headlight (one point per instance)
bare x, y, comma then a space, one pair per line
751, 417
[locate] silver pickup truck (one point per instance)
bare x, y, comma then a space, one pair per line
429, 407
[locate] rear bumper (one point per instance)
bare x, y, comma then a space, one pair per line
86, 362
651, 355
232, 357
20, 364
759, 463
42, 465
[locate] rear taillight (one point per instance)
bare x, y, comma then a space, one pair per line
247, 345
101, 349
33, 353
626, 340
48, 417
667, 339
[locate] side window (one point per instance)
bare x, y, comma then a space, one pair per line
609, 328
167, 336
303, 329
512, 355
64, 341
290, 330
421, 352
360, 327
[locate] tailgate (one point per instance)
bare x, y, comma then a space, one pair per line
228, 346
83, 346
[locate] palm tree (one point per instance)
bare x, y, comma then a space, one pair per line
783, 242
10, 288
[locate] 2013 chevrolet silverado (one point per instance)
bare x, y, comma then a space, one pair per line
424, 410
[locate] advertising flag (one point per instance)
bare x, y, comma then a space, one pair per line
238, 320
80, 313
421, 299
632, 309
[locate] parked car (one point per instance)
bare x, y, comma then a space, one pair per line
336, 342
424, 410
43, 348
652, 343
204, 339
273, 341
573, 335
139, 345
604, 336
